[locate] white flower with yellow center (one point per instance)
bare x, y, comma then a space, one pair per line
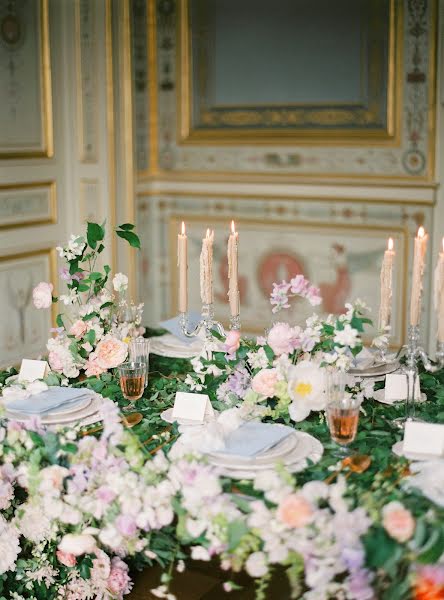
306, 388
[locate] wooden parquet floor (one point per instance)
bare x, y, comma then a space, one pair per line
203, 581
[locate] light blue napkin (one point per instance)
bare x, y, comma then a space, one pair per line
53, 398
253, 438
173, 326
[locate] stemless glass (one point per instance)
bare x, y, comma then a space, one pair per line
132, 382
342, 411
139, 351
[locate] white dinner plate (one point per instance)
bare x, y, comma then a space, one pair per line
398, 449
169, 346
55, 419
379, 395
270, 456
308, 448
376, 370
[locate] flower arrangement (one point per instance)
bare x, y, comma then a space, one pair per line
282, 375
91, 335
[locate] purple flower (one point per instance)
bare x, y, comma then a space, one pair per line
299, 285
239, 381
359, 586
64, 274
105, 494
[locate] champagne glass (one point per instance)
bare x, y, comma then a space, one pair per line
139, 351
132, 382
342, 412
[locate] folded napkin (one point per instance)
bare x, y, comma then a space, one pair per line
173, 326
253, 438
53, 398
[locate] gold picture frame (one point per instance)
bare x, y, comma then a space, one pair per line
240, 123
46, 115
49, 219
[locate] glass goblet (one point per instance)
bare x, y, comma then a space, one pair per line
343, 418
139, 351
132, 382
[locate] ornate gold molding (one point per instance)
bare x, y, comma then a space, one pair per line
52, 217
290, 119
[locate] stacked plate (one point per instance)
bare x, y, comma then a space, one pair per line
55, 406
294, 451
170, 346
376, 370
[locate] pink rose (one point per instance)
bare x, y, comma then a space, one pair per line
78, 329
92, 367
283, 339
398, 521
55, 361
66, 558
119, 582
110, 352
232, 341
264, 382
295, 511
42, 295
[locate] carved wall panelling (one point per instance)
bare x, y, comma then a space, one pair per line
91, 205
26, 120
27, 204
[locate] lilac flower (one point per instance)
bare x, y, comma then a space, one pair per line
126, 525
359, 586
298, 286
239, 381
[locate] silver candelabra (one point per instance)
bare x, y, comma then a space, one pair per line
415, 353
207, 323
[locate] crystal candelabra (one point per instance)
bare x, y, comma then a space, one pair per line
415, 353
207, 323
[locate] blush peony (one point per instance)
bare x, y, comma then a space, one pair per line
78, 328
398, 521
283, 339
232, 341
295, 511
306, 387
110, 352
119, 582
77, 544
264, 382
42, 295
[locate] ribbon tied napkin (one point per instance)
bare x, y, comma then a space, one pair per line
43, 402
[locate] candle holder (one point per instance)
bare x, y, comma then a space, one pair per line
415, 353
208, 323
382, 343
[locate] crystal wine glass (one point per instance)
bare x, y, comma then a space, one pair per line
139, 351
342, 412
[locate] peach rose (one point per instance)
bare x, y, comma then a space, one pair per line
78, 329
66, 558
398, 521
42, 295
295, 511
264, 382
110, 352
92, 367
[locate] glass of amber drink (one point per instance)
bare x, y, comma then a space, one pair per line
342, 413
132, 382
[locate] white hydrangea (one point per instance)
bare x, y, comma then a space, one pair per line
9, 545
258, 360
120, 282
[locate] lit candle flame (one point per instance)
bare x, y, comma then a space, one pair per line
233, 228
421, 232
183, 228
390, 244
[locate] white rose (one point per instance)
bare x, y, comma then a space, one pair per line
120, 282
77, 544
42, 295
200, 553
256, 565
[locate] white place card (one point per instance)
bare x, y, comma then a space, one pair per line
30, 370
193, 407
423, 438
396, 387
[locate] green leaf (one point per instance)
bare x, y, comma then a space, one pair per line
105, 305
94, 234
100, 249
269, 352
83, 287
379, 547
126, 226
94, 276
90, 316
433, 548
130, 237
91, 336
59, 321
107, 269
236, 530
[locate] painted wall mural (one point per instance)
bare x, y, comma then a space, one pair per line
339, 246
